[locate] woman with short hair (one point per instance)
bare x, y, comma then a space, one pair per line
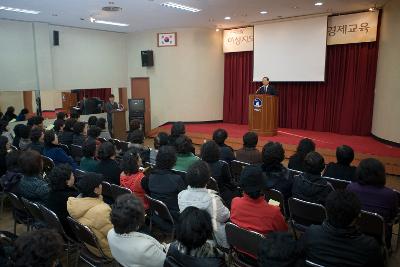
107, 165
55, 152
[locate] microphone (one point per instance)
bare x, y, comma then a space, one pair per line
259, 89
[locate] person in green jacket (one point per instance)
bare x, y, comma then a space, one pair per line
88, 163
185, 157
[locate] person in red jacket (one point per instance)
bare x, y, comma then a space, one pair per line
252, 211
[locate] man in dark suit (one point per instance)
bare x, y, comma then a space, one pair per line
110, 107
266, 88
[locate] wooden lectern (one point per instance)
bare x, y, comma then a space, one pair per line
119, 124
263, 114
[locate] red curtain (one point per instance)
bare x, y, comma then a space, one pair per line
102, 93
342, 104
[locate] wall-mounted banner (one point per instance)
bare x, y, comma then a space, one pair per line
238, 40
352, 28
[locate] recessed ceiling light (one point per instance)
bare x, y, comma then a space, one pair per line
318, 4
227, 18
181, 7
93, 20
263, 12
217, 30
20, 10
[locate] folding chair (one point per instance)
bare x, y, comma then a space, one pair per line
117, 191
106, 191
159, 209
372, 224
124, 146
35, 212
242, 241
397, 220
48, 165
337, 183
181, 173
293, 173
65, 148
102, 139
236, 169
76, 152
88, 238
19, 212
213, 185
313, 264
304, 213
277, 196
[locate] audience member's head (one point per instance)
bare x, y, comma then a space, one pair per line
252, 181
10, 110
37, 248
37, 135
12, 161
4, 145
342, 208
61, 115
50, 138
198, 174
94, 132
130, 162
101, 123
209, 152
166, 158
24, 111
127, 214
219, 136
61, 177
160, 140
89, 149
183, 145
16, 129
250, 140
193, 228
273, 154
3, 126
31, 163
90, 184
111, 98
305, 146
314, 163
344, 155
134, 125
371, 171
69, 125
80, 128
92, 121
75, 115
36, 121
278, 249
25, 132
106, 151
59, 125
136, 137
177, 129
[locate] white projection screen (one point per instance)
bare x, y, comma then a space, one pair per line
291, 51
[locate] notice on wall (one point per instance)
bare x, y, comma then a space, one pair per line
352, 28
238, 40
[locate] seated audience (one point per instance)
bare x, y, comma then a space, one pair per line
342, 169
373, 194
131, 176
32, 186
249, 153
252, 211
80, 133
62, 181
276, 175
184, 156
197, 195
42, 247
90, 210
25, 137
107, 165
17, 136
36, 121
10, 180
9, 115
129, 246
296, 161
93, 133
67, 135
59, 127
101, 123
220, 171
163, 184
75, 115
337, 242
92, 121
4, 131
55, 152
279, 249
61, 116
88, 162
37, 138
4, 147
22, 115
194, 245
219, 136
177, 129
309, 185
135, 135
160, 140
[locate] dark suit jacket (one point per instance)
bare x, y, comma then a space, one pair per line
270, 90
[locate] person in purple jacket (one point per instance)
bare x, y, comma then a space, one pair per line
373, 194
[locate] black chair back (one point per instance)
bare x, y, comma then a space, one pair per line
124, 146
212, 184
33, 210
372, 224
20, 214
159, 209
102, 139
13, 148
236, 169
65, 148
52, 220
106, 190
313, 264
48, 164
181, 173
79, 174
243, 240
76, 152
117, 191
337, 183
293, 173
277, 196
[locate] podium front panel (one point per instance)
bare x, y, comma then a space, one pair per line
263, 114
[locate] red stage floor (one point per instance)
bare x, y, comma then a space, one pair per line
360, 144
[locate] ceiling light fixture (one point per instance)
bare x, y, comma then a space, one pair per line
263, 12
318, 4
93, 20
217, 30
227, 18
181, 7
20, 10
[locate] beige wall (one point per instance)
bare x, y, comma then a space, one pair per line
186, 82
51, 99
15, 99
386, 118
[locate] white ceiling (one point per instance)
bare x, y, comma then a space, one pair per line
149, 14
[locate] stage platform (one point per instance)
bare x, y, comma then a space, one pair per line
364, 146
